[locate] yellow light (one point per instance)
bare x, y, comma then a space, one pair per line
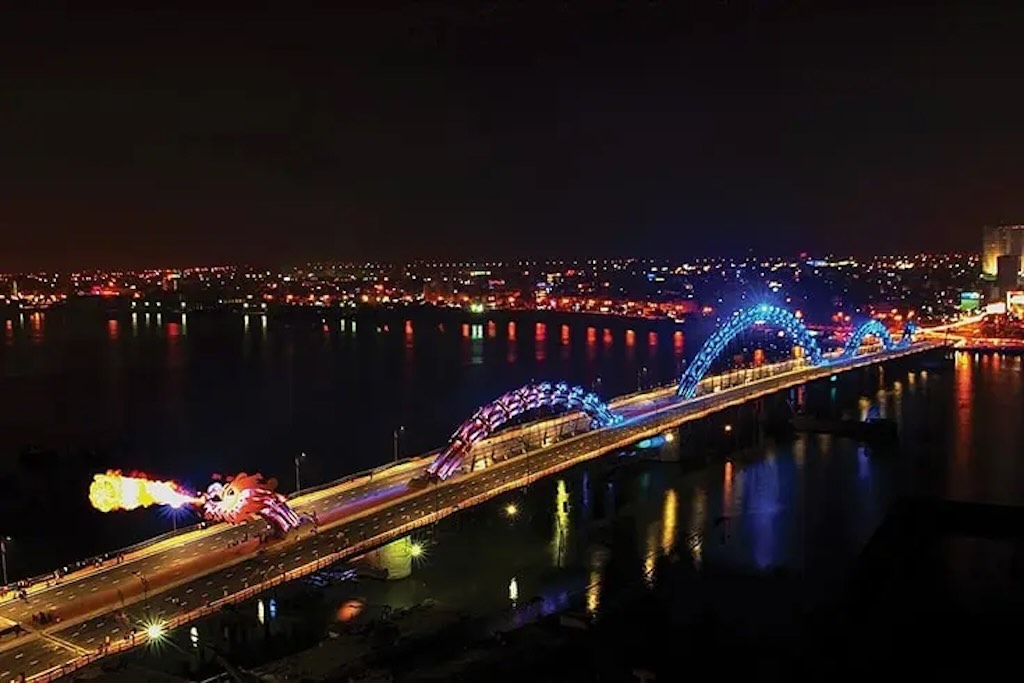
155, 631
728, 428
669, 437
511, 510
415, 549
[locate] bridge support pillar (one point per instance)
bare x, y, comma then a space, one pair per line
394, 559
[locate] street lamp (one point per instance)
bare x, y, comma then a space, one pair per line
156, 631
145, 588
3, 554
399, 433
298, 460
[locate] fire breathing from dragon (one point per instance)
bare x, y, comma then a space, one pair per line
236, 500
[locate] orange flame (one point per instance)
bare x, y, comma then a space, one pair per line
114, 491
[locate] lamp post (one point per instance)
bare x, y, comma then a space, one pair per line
3, 554
398, 438
298, 460
145, 588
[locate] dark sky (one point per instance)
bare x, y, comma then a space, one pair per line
528, 130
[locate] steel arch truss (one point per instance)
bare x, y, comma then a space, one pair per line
489, 418
874, 328
909, 330
765, 314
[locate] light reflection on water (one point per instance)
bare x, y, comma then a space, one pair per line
560, 542
598, 558
698, 523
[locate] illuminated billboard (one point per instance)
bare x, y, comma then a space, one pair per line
998, 308
1015, 303
970, 301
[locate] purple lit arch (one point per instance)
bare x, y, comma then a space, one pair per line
489, 418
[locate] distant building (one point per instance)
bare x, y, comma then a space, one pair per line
997, 241
1007, 271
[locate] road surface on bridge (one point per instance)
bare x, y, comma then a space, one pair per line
220, 563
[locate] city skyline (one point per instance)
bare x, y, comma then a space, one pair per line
158, 138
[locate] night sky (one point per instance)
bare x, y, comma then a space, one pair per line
533, 130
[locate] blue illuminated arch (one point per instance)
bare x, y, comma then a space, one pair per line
909, 330
742, 320
872, 328
489, 418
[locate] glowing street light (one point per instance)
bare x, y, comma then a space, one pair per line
298, 461
416, 549
3, 554
156, 631
511, 510
728, 428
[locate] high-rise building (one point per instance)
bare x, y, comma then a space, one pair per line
1008, 271
1000, 240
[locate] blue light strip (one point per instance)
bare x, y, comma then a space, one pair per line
774, 316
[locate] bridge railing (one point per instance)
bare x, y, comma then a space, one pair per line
741, 376
396, 464
105, 557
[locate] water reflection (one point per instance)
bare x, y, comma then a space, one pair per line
669, 530
727, 484
963, 375
698, 524
512, 348
650, 553
36, 327
761, 491
476, 351
598, 559
560, 542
